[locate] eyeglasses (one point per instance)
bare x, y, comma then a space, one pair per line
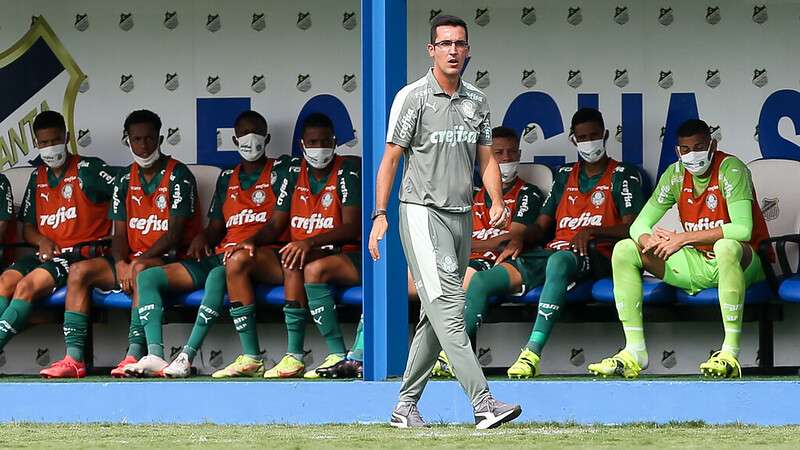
460, 45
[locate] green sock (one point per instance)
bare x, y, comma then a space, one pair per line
244, 320
483, 285
209, 312
626, 264
731, 291
323, 310
561, 269
75, 329
4, 302
295, 328
151, 283
137, 344
13, 320
357, 352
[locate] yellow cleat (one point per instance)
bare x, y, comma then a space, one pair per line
721, 365
330, 361
243, 366
287, 367
441, 369
527, 365
623, 364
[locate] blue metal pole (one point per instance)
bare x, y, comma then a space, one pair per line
383, 49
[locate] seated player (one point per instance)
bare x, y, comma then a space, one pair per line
8, 226
65, 204
325, 247
523, 201
723, 226
245, 199
594, 198
154, 212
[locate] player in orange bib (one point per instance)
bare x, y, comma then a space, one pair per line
325, 247
722, 228
596, 197
246, 198
65, 204
154, 209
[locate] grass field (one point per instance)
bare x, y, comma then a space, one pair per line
680, 435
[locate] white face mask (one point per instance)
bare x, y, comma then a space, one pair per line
54, 155
697, 162
144, 163
252, 146
318, 158
591, 151
508, 171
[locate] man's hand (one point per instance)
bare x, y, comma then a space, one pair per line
124, 276
512, 250
199, 248
498, 215
580, 243
47, 249
379, 227
668, 247
247, 245
293, 254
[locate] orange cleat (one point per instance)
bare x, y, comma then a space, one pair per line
65, 368
119, 371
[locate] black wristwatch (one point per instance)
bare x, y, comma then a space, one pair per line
378, 212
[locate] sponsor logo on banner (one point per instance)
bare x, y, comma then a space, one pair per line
56, 86
213, 84
755, 134
665, 16
434, 14
259, 84
81, 22
760, 77
621, 15
84, 138
258, 22
349, 82
577, 357
760, 14
126, 21
530, 135
352, 142
482, 79
713, 15
716, 132
770, 209
173, 136
171, 20
171, 81
126, 83
528, 78
574, 16
482, 17
43, 357
665, 79
528, 16
303, 82
349, 20
621, 78
84, 87
304, 20
668, 359
213, 23
713, 78
618, 134
574, 79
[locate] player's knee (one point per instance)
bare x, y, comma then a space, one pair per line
8, 283
26, 289
625, 252
727, 251
561, 264
152, 278
316, 272
78, 275
239, 262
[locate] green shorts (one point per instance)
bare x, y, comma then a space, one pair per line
532, 265
57, 267
691, 271
199, 270
355, 258
480, 264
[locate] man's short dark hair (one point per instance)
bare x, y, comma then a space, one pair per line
445, 20
693, 127
251, 115
585, 115
317, 120
49, 119
505, 132
143, 116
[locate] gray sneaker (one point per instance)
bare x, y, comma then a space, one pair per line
491, 413
406, 415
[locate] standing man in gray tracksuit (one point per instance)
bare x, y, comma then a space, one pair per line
440, 124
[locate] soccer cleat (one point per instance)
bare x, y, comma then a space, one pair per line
119, 371
180, 367
287, 367
441, 368
243, 366
721, 365
148, 366
65, 368
527, 365
330, 361
346, 368
491, 413
406, 415
623, 364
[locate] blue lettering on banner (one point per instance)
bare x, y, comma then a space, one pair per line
682, 107
335, 110
214, 113
780, 104
539, 108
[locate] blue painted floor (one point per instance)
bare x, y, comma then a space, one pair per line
585, 402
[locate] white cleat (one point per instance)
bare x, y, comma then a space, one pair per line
149, 366
180, 367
